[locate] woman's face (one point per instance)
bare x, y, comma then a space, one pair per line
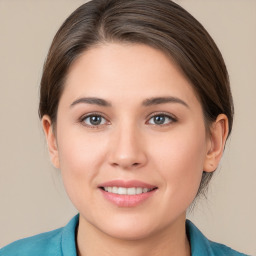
131, 140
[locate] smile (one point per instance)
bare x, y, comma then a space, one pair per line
127, 191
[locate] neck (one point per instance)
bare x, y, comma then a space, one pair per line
170, 241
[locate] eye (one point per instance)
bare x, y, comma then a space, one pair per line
94, 120
161, 119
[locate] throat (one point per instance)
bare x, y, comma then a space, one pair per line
91, 241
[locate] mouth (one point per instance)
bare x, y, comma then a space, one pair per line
127, 193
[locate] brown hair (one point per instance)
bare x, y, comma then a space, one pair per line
161, 24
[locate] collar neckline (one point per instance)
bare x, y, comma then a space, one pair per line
199, 244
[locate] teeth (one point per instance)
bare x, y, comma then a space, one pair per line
144, 190
140, 190
114, 190
131, 191
126, 191
122, 191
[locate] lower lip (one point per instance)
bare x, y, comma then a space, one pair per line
127, 200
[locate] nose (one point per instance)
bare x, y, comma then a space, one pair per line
127, 148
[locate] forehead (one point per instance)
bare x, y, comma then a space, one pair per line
125, 71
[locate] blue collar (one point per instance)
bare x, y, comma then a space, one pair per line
200, 245
68, 238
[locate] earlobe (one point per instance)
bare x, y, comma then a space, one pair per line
218, 136
51, 140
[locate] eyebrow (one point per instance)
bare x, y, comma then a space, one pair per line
162, 100
92, 100
146, 102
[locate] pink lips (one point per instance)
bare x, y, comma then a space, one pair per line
127, 200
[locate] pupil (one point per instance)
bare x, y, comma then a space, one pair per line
159, 119
95, 120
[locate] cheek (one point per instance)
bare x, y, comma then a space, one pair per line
79, 152
180, 158
80, 159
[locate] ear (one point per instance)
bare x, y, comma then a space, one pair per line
217, 139
51, 140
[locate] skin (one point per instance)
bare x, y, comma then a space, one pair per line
129, 145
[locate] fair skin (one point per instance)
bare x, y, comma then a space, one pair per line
126, 138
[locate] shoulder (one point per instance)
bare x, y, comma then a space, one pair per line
201, 246
221, 249
42, 244
59, 242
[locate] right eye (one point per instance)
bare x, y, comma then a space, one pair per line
93, 120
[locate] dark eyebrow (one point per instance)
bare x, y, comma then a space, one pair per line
162, 100
91, 100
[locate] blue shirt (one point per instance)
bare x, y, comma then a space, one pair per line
62, 242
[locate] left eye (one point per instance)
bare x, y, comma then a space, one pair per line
161, 119
94, 120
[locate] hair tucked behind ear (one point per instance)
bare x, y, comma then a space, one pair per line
161, 24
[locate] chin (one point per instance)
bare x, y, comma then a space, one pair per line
130, 228
129, 233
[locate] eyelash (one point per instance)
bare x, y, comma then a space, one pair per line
171, 118
83, 118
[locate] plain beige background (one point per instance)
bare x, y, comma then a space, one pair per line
32, 198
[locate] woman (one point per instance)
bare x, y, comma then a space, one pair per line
136, 108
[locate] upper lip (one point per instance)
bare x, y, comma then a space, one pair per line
127, 184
